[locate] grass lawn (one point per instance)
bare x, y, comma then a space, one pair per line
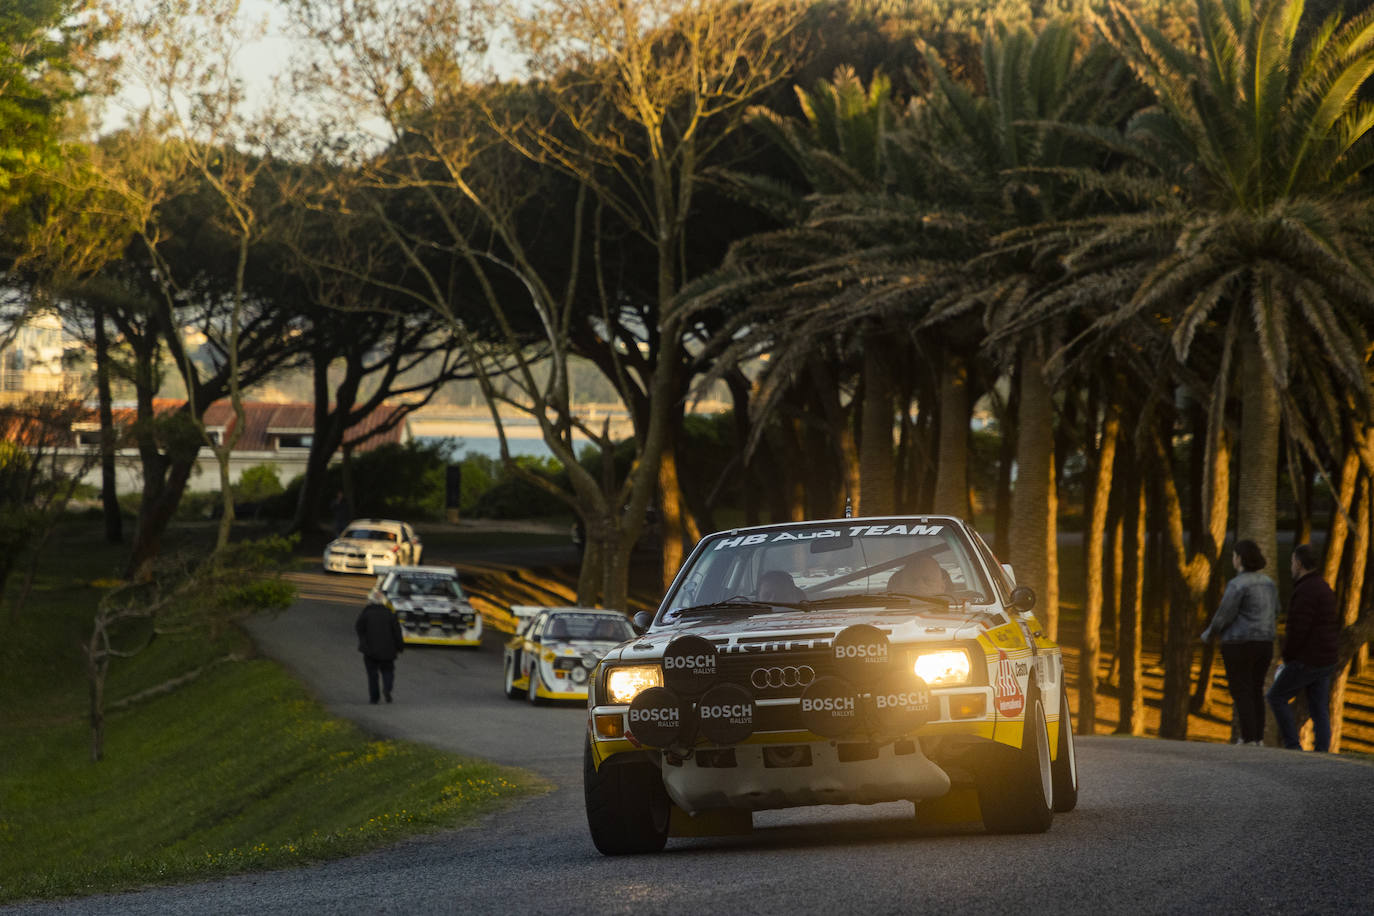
237, 770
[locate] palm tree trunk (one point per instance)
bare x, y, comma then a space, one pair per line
1359, 560
1034, 511
1339, 526
1093, 564
1130, 696
876, 479
951, 482
1257, 488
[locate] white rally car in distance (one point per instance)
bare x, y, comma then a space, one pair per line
369, 544
430, 606
554, 649
854, 660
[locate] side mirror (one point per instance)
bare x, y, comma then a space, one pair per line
641, 621
1022, 598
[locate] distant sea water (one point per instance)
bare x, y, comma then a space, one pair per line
491, 446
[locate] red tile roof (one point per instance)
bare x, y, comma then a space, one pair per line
263, 420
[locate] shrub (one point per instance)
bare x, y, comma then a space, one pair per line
257, 483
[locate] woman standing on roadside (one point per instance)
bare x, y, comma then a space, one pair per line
1245, 625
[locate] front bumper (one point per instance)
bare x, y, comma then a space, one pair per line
561, 683
440, 630
784, 765
366, 564
762, 776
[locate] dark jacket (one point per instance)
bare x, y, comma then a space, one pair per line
1314, 627
379, 633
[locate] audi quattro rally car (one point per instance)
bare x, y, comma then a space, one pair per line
430, 605
858, 660
555, 649
368, 544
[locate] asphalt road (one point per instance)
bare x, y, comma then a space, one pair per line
1161, 827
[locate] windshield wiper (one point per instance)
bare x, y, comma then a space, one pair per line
737, 603
883, 599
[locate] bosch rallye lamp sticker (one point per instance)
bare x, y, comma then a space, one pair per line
1010, 699
830, 707
861, 653
726, 713
655, 717
690, 666
901, 705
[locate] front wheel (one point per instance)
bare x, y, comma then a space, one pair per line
512, 692
627, 807
1016, 787
532, 691
1065, 761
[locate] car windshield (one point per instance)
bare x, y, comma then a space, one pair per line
866, 562
428, 586
370, 534
589, 626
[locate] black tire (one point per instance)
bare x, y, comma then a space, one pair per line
512, 692
1016, 787
532, 691
1066, 760
627, 807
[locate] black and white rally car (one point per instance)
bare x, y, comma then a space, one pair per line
430, 605
856, 660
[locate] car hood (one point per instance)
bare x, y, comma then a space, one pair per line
800, 629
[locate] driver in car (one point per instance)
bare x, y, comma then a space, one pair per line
922, 575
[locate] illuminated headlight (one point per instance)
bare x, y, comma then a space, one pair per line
625, 683
945, 668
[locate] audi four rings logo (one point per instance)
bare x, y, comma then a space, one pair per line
798, 676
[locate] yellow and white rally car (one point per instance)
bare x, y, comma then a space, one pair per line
855, 660
430, 605
554, 650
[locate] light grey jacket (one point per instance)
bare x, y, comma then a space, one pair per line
1249, 610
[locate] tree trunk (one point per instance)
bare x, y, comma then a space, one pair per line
671, 520
1339, 526
1033, 520
1006, 457
1257, 489
1359, 546
1093, 563
1131, 701
951, 482
109, 496
875, 433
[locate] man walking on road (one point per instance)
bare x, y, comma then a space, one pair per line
380, 641
1311, 646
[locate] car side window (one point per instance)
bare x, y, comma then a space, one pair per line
537, 628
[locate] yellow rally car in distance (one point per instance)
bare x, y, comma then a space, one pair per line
554, 650
855, 660
430, 605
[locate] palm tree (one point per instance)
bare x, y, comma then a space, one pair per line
1011, 161
814, 286
1253, 217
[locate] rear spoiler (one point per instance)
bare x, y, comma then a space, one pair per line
525, 611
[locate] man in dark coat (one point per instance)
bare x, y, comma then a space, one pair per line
1311, 648
380, 641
